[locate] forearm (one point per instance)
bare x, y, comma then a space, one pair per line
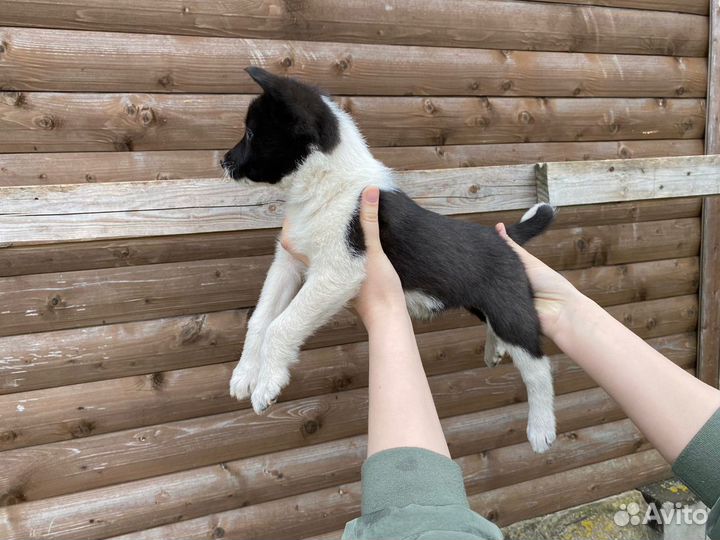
666, 403
401, 410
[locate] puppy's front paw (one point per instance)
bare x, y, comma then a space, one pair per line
244, 379
270, 383
541, 435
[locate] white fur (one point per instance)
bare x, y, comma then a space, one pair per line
421, 305
531, 212
322, 195
536, 373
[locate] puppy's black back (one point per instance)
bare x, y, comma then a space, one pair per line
461, 264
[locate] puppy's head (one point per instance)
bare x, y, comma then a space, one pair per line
283, 126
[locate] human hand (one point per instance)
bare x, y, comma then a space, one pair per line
555, 296
381, 294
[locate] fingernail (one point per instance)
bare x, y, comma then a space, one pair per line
372, 195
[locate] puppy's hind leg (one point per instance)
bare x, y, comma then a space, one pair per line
536, 373
495, 349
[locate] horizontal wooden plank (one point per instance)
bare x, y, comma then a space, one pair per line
79, 464
60, 122
45, 302
452, 23
572, 488
592, 234
83, 167
134, 506
79, 410
38, 214
577, 247
61, 213
328, 509
582, 247
699, 7
52, 359
67, 61
624, 180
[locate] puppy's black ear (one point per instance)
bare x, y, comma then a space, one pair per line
269, 82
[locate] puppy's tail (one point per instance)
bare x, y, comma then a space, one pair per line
534, 222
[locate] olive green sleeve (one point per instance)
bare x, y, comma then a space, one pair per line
412, 493
698, 465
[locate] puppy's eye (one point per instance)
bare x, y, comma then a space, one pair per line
249, 134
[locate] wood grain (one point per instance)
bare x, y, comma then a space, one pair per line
451, 23
301, 515
69, 466
79, 410
90, 167
584, 244
594, 182
60, 122
70, 61
45, 302
134, 506
709, 328
52, 213
571, 488
699, 7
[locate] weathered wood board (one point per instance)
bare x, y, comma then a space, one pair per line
596, 182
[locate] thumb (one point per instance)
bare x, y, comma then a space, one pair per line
369, 218
524, 255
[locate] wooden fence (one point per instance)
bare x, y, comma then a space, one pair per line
118, 334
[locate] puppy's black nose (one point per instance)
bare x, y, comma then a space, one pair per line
226, 163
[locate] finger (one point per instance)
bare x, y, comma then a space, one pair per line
369, 218
522, 253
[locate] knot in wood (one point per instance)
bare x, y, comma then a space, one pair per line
475, 86
581, 244
651, 323
47, 122
218, 532
147, 116
686, 125
577, 91
8, 436
343, 64
526, 118
15, 99
90, 178
13, 496
428, 106
680, 91
166, 81
625, 152
55, 301
310, 427
286, 62
82, 429
473, 188
614, 128
506, 85
3, 46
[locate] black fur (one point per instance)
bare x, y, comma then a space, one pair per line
286, 122
462, 264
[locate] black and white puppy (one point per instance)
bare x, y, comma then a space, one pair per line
298, 138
